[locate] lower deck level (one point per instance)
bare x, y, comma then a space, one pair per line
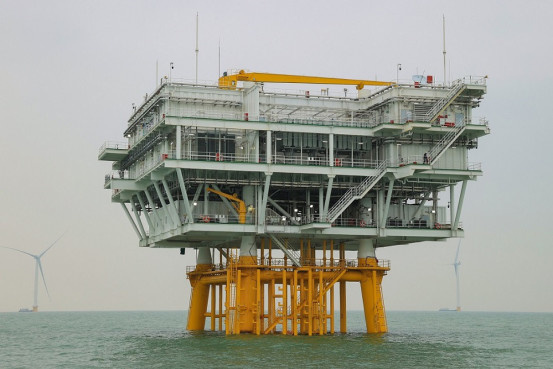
254, 295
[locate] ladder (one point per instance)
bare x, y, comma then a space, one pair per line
445, 142
328, 282
357, 192
280, 316
444, 102
288, 248
420, 111
380, 314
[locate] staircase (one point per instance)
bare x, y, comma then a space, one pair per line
380, 314
280, 316
445, 142
232, 311
420, 111
444, 102
288, 248
357, 192
328, 282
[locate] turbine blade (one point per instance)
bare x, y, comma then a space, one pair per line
11, 248
43, 279
49, 247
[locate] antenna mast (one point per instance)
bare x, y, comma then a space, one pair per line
445, 82
197, 49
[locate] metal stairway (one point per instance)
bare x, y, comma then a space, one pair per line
444, 102
420, 111
328, 282
445, 142
380, 314
357, 192
288, 248
303, 304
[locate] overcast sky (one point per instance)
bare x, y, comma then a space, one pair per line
70, 70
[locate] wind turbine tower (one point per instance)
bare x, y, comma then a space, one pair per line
456, 265
38, 266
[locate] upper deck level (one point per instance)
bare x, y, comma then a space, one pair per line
193, 137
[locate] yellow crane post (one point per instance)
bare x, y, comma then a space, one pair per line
237, 204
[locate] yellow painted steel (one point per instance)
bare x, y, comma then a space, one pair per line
213, 312
343, 317
238, 204
284, 303
258, 311
198, 300
300, 300
372, 297
231, 81
220, 307
294, 287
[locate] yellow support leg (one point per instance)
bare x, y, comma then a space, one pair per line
321, 307
373, 305
238, 313
246, 303
294, 288
198, 301
332, 310
213, 301
284, 304
220, 307
310, 302
271, 301
343, 323
258, 303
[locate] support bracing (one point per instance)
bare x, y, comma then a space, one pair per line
132, 221
187, 209
267, 296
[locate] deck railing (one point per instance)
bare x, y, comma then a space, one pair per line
281, 262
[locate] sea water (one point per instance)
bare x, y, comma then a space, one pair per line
160, 340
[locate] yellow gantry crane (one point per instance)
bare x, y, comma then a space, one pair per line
230, 81
237, 204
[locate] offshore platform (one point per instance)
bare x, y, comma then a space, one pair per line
276, 190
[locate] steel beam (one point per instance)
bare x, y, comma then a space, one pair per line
138, 221
146, 215
421, 205
132, 221
387, 206
185, 201
460, 205
163, 204
172, 204
198, 193
452, 204
152, 204
264, 199
328, 193
279, 208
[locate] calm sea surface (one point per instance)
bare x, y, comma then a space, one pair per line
159, 340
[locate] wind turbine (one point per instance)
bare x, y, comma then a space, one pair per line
38, 266
456, 265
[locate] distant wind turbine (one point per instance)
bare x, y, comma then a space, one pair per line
456, 265
38, 266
